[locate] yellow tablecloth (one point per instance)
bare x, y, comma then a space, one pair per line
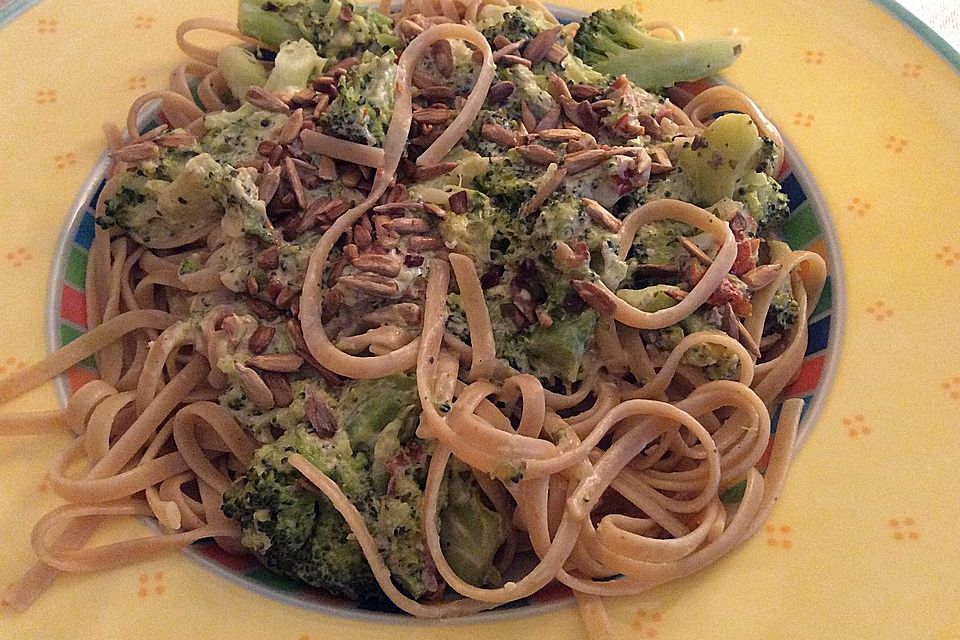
864, 542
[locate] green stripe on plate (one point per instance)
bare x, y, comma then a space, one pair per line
802, 227
76, 274
68, 334
826, 299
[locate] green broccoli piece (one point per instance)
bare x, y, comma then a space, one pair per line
169, 201
232, 137
516, 25
614, 41
338, 29
509, 182
294, 67
240, 70
764, 199
295, 531
557, 351
370, 405
783, 312
717, 362
363, 107
470, 532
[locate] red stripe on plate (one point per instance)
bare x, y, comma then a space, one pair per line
73, 307
807, 377
78, 376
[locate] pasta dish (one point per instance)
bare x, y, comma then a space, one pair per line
432, 308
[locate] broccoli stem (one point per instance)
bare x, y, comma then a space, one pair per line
661, 63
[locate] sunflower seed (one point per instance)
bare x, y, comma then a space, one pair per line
280, 362
174, 140
500, 92
498, 135
438, 93
293, 177
258, 97
596, 296
254, 387
279, 387
420, 244
547, 186
136, 152
759, 277
601, 216
583, 91
380, 265
432, 116
291, 128
269, 182
260, 339
371, 285
537, 154
319, 416
583, 160
269, 258
550, 120
433, 171
694, 250
526, 116
512, 59
443, 56
557, 88
458, 202
409, 225
559, 135
539, 46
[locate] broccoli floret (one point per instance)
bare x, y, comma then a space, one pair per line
240, 70
381, 467
364, 103
782, 313
516, 25
717, 362
169, 201
294, 67
370, 405
557, 351
509, 182
470, 532
338, 29
614, 41
294, 530
232, 137
764, 199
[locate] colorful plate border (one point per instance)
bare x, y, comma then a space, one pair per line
808, 227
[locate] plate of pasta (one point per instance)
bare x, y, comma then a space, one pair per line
450, 317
